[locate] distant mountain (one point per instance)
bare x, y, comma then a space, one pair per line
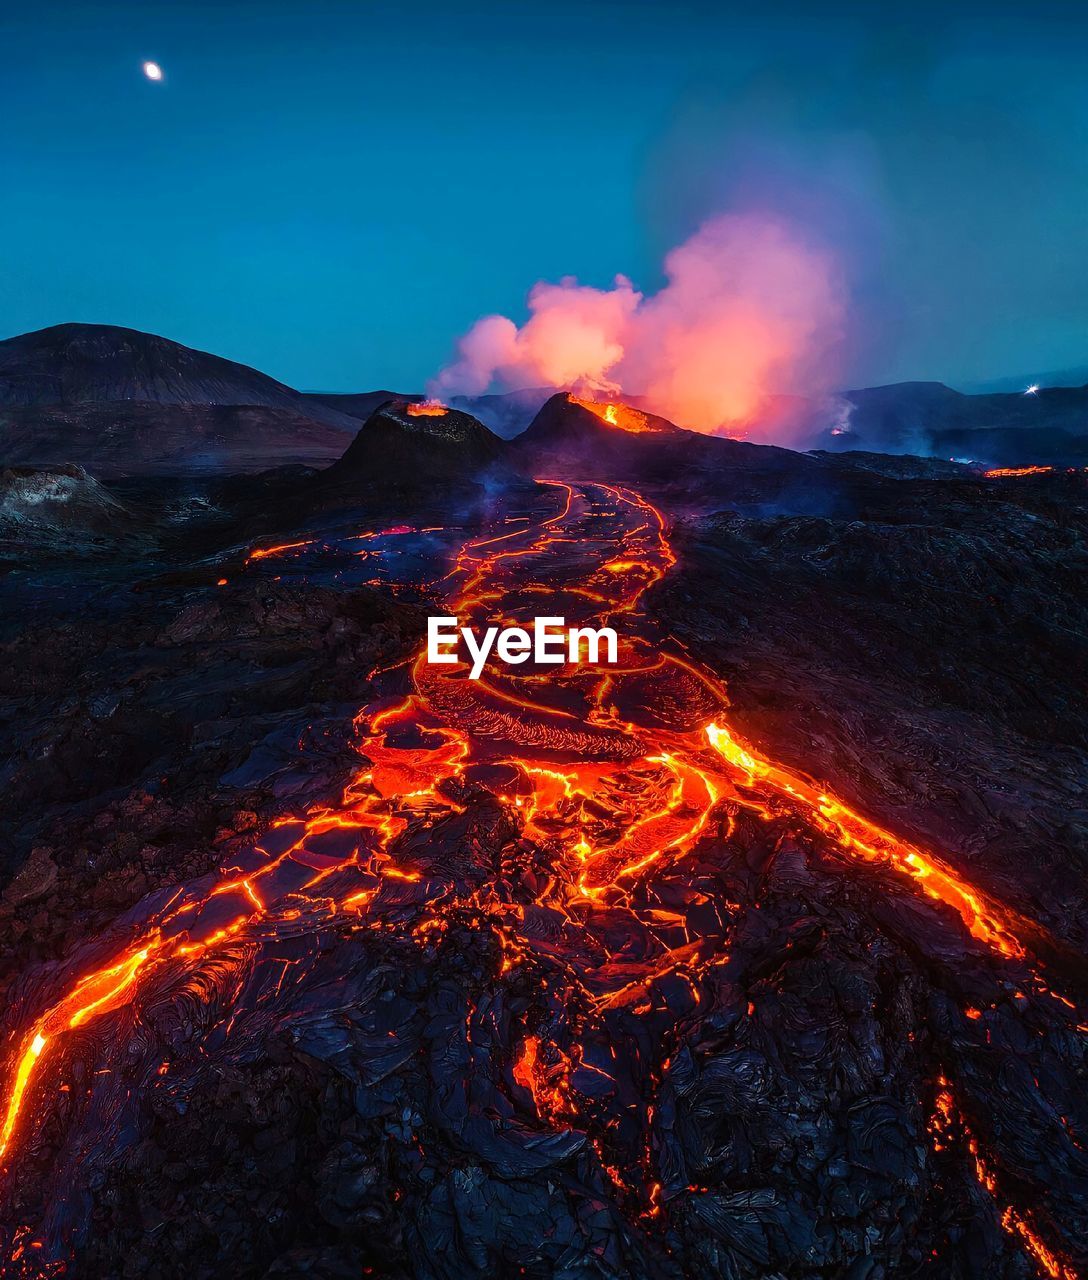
119, 401
1050, 425
360, 404
71, 364
1012, 446
1077, 376
132, 437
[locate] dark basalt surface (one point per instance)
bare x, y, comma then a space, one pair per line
926, 657
122, 718
773, 1104
129, 437
900, 466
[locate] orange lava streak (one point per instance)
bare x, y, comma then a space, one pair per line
94, 994
1000, 473
946, 1125
857, 835
24, 1067
262, 553
426, 409
621, 416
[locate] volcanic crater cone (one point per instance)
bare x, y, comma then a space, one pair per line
402, 445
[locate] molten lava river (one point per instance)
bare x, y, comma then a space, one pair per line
567, 931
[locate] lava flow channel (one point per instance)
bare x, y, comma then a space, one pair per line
616, 771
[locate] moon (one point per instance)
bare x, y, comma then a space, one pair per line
152, 70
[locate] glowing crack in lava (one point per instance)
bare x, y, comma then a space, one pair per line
613, 776
947, 1127
1001, 473
426, 409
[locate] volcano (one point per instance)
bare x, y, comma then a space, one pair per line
416, 451
576, 437
408, 440
759, 952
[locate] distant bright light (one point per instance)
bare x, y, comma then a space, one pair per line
1033, 390
152, 70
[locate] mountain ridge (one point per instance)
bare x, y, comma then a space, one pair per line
60, 387
68, 364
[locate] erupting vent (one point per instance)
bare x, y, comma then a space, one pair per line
427, 409
621, 416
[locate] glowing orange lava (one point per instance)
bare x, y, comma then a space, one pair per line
861, 838
1000, 473
426, 409
262, 553
621, 416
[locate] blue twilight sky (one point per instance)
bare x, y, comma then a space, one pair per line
333, 191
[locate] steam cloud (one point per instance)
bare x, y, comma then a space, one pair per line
749, 309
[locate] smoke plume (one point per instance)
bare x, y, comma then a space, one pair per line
748, 310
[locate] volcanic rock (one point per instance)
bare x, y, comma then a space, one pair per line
899, 466
395, 445
433, 997
35, 879
924, 653
61, 510
571, 440
140, 438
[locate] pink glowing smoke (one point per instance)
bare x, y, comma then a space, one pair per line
749, 309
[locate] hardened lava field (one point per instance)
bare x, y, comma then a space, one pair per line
343, 964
